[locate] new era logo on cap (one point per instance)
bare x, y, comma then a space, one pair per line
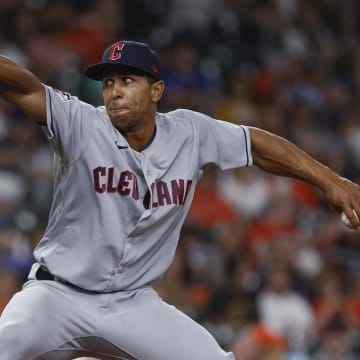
131, 54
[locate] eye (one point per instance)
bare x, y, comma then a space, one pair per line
127, 79
107, 82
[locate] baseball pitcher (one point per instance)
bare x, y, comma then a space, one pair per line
124, 179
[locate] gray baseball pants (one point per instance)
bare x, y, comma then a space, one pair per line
48, 320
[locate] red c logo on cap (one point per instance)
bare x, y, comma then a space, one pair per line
115, 52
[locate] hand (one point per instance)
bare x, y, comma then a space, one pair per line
343, 195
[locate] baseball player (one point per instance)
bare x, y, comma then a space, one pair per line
125, 176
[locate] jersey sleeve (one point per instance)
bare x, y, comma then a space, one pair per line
222, 143
67, 125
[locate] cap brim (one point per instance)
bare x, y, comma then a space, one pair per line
96, 71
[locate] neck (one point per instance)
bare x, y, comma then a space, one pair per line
139, 139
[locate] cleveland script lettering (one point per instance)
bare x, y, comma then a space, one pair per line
173, 192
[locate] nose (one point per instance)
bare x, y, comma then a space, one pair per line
117, 89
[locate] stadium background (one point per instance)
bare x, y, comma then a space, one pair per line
262, 262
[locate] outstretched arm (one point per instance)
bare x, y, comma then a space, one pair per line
21, 88
280, 157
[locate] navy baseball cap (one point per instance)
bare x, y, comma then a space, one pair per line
130, 54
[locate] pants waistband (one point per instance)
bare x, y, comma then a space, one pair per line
43, 274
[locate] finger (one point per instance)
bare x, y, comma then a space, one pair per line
352, 217
356, 218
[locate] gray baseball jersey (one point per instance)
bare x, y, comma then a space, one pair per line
116, 213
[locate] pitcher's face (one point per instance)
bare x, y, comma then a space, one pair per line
129, 98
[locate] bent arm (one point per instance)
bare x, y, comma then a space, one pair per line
278, 156
21, 88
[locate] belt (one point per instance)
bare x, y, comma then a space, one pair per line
43, 274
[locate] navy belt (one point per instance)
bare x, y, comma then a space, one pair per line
43, 274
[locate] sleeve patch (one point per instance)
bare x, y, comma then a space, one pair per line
63, 96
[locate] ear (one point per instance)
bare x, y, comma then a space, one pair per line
157, 90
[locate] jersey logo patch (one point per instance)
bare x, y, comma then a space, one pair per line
63, 96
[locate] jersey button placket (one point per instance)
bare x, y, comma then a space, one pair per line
143, 163
147, 174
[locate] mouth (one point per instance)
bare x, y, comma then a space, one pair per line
118, 113
115, 108
118, 109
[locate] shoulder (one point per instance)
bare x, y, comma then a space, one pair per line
184, 117
63, 97
101, 111
187, 115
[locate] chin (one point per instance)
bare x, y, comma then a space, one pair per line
119, 125
119, 121
122, 126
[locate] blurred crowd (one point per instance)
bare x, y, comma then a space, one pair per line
262, 262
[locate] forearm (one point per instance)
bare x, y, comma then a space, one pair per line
23, 89
280, 157
14, 79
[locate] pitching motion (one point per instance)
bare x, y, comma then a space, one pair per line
125, 175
